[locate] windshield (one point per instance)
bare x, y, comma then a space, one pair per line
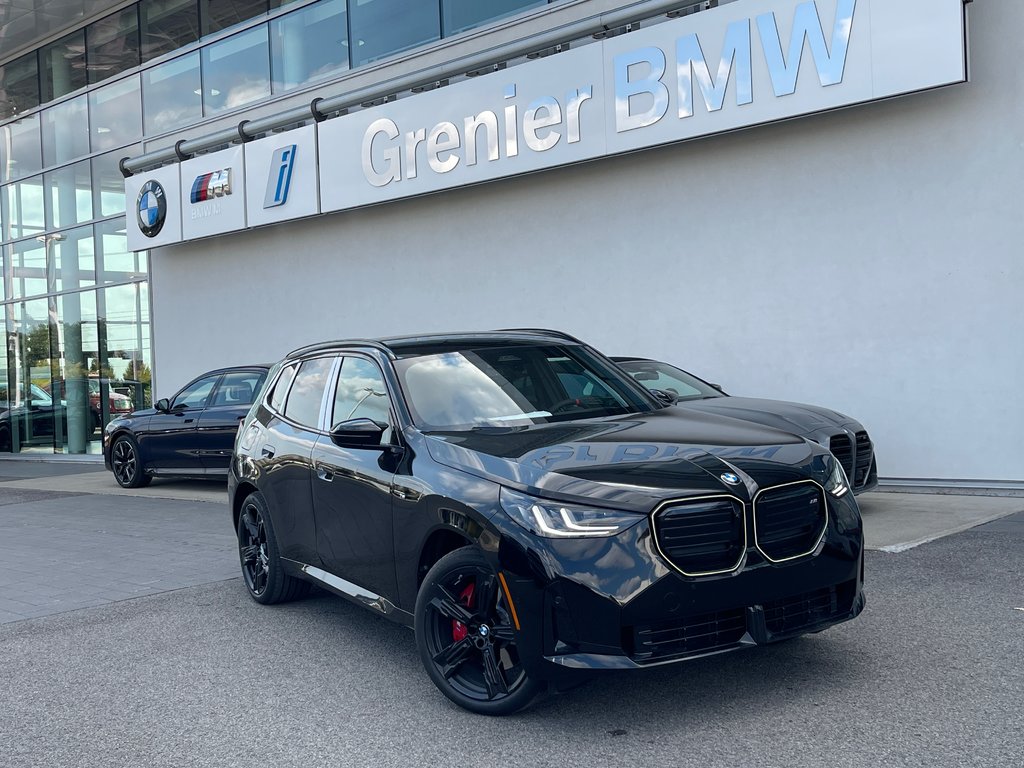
668, 378
512, 385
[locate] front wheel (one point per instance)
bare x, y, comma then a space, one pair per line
127, 466
466, 639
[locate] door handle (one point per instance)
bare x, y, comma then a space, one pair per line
324, 474
268, 451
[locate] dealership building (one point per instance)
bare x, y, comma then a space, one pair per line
808, 200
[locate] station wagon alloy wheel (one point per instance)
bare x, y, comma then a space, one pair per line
465, 631
252, 549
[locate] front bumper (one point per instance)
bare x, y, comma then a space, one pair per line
616, 603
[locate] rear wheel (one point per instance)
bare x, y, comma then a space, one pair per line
126, 463
466, 638
260, 557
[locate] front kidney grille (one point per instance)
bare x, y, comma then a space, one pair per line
693, 634
842, 449
789, 519
702, 536
864, 456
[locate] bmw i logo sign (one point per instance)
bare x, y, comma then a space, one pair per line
151, 208
730, 478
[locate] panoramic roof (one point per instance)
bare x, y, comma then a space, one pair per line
24, 22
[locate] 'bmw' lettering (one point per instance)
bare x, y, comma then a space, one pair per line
151, 208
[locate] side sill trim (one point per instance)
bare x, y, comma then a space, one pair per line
352, 591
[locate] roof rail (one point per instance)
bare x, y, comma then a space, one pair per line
326, 345
545, 331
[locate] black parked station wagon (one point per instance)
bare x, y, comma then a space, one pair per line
533, 511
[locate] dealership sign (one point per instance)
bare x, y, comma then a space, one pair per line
738, 65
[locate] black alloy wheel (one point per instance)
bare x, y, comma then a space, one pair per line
126, 464
466, 637
258, 553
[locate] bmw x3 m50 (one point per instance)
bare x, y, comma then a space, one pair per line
532, 511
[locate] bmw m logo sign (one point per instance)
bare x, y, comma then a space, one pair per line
151, 208
211, 185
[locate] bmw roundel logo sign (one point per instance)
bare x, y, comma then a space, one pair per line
730, 478
151, 208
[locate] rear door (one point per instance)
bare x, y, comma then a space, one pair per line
218, 423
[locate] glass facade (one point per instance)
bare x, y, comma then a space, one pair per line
74, 299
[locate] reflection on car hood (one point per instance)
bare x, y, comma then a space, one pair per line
798, 418
631, 462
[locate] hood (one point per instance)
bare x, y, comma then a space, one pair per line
632, 462
808, 421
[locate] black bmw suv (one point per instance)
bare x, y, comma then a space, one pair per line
531, 510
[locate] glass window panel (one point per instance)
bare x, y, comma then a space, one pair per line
77, 424
108, 182
172, 94
66, 131
236, 71
112, 44
221, 14
238, 388
32, 349
306, 394
68, 195
464, 14
28, 268
383, 27
3, 297
309, 43
361, 393
167, 25
62, 66
116, 264
125, 341
20, 149
115, 114
22, 205
19, 86
73, 259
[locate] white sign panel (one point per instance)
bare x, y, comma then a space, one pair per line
281, 177
153, 208
213, 194
734, 66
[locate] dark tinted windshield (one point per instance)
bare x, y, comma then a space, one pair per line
512, 385
668, 378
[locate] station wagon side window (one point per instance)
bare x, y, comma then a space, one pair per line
195, 394
238, 388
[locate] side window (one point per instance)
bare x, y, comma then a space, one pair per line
195, 394
361, 393
307, 392
280, 391
238, 388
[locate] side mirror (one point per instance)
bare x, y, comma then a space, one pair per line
718, 387
359, 433
666, 397
163, 405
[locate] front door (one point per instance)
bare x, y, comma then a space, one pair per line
218, 423
170, 441
352, 487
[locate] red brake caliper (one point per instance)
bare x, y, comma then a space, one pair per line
459, 630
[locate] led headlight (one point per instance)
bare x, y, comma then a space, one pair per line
553, 519
837, 484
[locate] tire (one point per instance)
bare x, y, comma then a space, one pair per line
465, 637
127, 464
260, 557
